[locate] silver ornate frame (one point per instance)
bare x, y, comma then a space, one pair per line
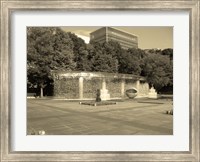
193, 6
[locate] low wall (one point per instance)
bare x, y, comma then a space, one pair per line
114, 87
79, 86
90, 87
66, 88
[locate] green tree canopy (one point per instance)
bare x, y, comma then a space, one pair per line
80, 53
103, 59
158, 70
168, 52
131, 60
47, 49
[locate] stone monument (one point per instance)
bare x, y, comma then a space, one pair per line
152, 93
104, 92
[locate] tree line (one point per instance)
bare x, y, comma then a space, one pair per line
51, 48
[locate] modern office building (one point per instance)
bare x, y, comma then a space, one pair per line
106, 34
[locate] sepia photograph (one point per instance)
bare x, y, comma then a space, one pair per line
99, 80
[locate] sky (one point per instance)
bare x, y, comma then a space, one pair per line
148, 37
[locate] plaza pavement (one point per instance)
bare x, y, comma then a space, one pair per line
130, 117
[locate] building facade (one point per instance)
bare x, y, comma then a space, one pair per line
106, 34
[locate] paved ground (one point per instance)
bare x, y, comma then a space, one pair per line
138, 117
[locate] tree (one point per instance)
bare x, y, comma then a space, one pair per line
158, 70
130, 61
168, 52
137, 52
90, 58
80, 53
103, 59
129, 64
47, 49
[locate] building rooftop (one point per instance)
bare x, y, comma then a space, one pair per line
115, 28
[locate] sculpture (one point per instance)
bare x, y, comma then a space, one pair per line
98, 98
131, 93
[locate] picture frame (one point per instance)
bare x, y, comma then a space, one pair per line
7, 7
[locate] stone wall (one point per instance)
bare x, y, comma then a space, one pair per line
114, 87
66, 88
69, 87
90, 87
130, 84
